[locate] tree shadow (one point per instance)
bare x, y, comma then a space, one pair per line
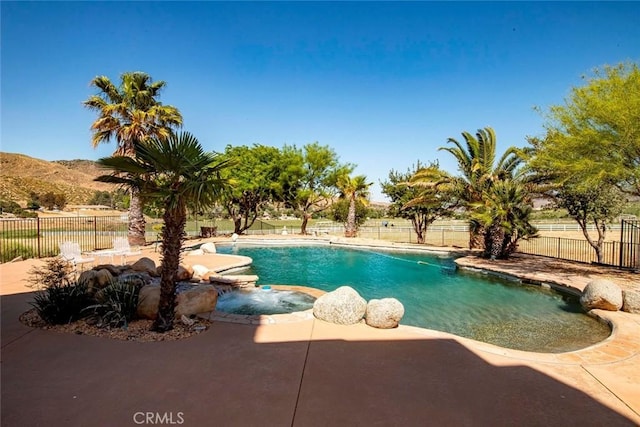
224, 376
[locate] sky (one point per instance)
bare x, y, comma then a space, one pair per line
384, 84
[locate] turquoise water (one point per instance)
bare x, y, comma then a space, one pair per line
435, 295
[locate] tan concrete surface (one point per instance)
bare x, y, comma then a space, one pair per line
308, 373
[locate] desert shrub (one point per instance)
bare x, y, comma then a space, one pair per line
61, 303
115, 304
54, 273
14, 250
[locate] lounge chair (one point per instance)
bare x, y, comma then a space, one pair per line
121, 247
71, 253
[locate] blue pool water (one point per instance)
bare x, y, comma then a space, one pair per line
435, 295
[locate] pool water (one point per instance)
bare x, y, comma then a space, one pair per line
436, 295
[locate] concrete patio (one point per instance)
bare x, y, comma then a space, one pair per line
305, 372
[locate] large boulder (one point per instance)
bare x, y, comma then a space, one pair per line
384, 313
631, 302
199, 299
344, 306
208, 248
602, 294
146, 265
96, 279
148, 300
184, 273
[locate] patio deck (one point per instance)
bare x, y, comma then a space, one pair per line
307, 373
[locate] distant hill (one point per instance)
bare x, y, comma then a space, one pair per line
20, 175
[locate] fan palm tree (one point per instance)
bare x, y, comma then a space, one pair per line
130, 114
354, 189
477, 163
176, 173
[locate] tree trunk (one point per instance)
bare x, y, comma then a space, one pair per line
172, 237
237, 224
305, 220
350, 228
476, 235
136, 232
494, 242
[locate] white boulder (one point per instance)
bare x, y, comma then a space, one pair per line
208, 248
344, 306
602, 294
384, 313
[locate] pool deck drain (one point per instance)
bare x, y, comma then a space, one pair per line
296, 370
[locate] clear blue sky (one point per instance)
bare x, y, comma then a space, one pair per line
383, 84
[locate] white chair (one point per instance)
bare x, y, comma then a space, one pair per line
121, 247
71, 253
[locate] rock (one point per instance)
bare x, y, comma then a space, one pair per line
148, 300
602, 294
95, 279
184, 273
195, 252
200, 271
208, 248
146, 265
114, 270
344, 306
631, 302
186, 321
136, 279
200, 299
384, 313
235, 280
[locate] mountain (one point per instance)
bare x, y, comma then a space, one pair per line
20, 175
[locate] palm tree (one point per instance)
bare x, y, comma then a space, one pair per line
131, 114
476, 162
176, 173
504, 213
354, 189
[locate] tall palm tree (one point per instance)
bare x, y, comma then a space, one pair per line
477, 163
176, 173
354, 189
130, 114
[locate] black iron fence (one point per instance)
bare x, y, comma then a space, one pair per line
39, 237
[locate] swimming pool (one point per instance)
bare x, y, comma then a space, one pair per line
436, 295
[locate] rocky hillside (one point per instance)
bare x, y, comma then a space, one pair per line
20, 175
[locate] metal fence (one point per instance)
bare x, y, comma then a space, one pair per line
630, 244
570, 249
39, 237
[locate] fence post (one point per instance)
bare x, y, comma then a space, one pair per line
558, 247
38, 234
95, 233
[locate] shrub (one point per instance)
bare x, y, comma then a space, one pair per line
115, 305
54, 273
61, 303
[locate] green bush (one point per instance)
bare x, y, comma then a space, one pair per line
61, 303
115, 305
13, 250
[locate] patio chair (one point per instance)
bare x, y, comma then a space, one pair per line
71, 253
121, 247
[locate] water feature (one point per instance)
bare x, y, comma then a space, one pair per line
264, 300
435, 295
